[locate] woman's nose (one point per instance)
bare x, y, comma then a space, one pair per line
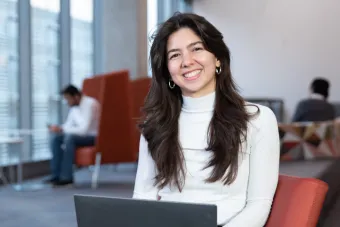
187, 60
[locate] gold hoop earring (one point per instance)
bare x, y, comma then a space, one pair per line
172, 84
218, 70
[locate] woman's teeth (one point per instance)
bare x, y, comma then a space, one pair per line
192, 74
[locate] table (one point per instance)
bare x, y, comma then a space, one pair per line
6, 141
19, 186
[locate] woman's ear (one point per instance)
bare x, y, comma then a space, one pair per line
218, 63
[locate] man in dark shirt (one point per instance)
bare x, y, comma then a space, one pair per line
315, 108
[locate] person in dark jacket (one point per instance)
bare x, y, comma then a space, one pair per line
316, 107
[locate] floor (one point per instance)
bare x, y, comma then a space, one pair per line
54, 207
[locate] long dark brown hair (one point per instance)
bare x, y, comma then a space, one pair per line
228, 126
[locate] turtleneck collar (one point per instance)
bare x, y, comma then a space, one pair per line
202, 104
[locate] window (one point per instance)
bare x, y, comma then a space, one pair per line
9, 88
184, 5
167, 8
45, 71
42, 51
152, 18
81, 41
158, 12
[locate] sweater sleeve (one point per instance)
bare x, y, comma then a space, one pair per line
263, 172
146, 172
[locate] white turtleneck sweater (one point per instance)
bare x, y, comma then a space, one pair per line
244, 203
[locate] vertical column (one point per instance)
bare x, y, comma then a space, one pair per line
98, 62
187, 5
25, 72
123, 44
142, 41
174, 7
161, 11
165, 9
65, 50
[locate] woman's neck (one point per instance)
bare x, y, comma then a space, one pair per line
199, 104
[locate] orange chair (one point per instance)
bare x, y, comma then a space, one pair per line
140, 88
114, 142
297, 202
115, 129
93, 87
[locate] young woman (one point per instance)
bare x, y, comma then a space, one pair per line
201, 142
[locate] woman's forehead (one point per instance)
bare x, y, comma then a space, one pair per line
182, 38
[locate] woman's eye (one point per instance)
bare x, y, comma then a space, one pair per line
198, 48
174, 56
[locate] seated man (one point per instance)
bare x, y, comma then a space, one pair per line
315, 108
80, 129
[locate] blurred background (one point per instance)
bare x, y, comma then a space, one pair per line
277, 49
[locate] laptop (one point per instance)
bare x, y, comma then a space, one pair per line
99, 211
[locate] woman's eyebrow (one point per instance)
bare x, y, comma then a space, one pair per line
190, 45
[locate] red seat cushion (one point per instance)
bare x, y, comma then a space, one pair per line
85, 156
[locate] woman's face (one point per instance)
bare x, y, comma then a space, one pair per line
191, 66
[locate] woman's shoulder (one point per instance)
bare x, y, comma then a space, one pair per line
260, 115
261, 125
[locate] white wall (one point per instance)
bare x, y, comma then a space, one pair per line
279, 46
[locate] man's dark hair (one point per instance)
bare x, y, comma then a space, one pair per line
320, 86
70, 90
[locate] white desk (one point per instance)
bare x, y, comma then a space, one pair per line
7, 141
10, 140
19, 186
